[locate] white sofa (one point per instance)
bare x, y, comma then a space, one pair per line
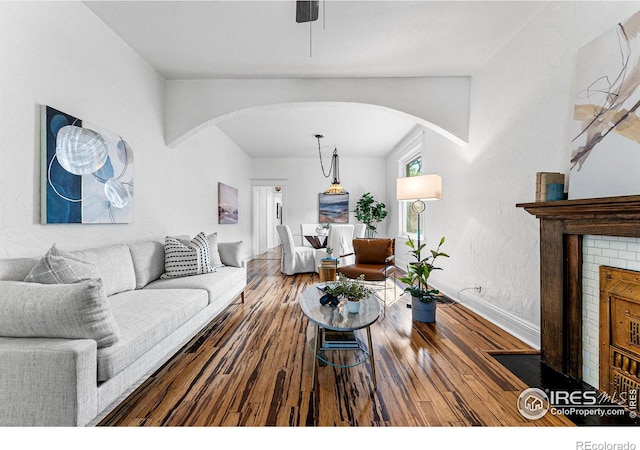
71, 381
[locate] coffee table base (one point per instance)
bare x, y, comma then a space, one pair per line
317, 348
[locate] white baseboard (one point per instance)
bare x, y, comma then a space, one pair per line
525, 331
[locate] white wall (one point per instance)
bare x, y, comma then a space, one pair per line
303, 181
521, 105
59, 54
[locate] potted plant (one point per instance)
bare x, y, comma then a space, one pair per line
423, 298
353, 290
370, 212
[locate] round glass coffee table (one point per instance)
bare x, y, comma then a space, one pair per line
335, 327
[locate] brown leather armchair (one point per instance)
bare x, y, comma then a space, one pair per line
375, 259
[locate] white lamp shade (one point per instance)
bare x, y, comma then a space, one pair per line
421, 187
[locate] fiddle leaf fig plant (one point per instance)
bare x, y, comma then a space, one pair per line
418, 272
370, 212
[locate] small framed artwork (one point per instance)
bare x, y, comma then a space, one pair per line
227, 204
334, 208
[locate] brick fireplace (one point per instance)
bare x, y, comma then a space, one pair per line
563, 227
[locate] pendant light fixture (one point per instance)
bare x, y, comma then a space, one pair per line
335, 188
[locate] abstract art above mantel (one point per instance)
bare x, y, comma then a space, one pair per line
86, 172
605, 146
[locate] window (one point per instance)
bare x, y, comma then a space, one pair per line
412, 168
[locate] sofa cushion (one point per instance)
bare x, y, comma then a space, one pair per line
16, 269
216, 284
148, 261
145, 318
73, 311
181, 260
54, 268
230, 253
114, 264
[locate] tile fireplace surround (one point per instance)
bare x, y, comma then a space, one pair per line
563, 225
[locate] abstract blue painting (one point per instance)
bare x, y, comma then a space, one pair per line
61, 190
87, 172
334, 208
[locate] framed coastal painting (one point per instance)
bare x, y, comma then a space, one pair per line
227, 204
86, 172
334, 208
605, 135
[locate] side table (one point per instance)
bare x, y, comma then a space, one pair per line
328, 269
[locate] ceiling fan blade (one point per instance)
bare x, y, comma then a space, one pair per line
307, 11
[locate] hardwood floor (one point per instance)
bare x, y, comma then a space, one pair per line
252, 367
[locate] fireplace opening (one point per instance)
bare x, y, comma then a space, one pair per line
620, 335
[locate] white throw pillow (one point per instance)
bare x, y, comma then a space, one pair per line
213, 250
56, 268
70, 311
230, 253
182, 260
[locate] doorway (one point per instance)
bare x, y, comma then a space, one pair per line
268, 210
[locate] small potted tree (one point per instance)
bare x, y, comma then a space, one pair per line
423, 298
353, 290
370, 212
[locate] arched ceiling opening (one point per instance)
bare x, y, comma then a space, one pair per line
439, 103
288, 130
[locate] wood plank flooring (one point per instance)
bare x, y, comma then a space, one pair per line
251, 367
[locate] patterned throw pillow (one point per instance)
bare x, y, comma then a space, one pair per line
182, 260
56, 268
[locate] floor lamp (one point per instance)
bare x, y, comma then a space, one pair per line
420, 189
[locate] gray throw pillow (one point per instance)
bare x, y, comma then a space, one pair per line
56, 268
71, 311
230, 253
148, 261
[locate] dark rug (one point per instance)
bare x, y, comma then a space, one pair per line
534, 373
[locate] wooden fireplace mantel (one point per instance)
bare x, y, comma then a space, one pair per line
562, 226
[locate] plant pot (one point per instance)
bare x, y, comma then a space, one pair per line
423, 312
353, 306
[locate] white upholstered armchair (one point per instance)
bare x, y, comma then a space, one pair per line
295, 259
